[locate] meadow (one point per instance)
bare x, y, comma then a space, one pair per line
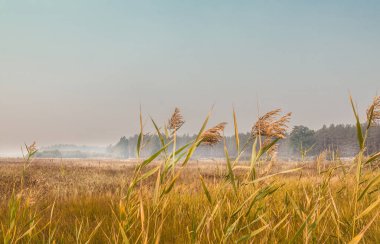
169, 197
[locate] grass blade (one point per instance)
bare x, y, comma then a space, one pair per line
370, 184
360, 236
369, 209
236, 133
253, 234
372, 158
160, 136
359, 131
155, 155
205, 189
196, 142
231, 174
272, 175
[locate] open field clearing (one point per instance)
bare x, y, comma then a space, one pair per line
68, 177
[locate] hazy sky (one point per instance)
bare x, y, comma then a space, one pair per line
76, 71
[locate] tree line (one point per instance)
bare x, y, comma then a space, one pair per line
341, 140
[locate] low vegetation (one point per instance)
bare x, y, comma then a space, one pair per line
168, 198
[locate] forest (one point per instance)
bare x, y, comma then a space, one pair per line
300, 143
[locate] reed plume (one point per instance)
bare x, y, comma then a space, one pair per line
176, 121
31, 149
213, 135
373, 112
269, 126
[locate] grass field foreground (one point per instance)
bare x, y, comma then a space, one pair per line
168, 198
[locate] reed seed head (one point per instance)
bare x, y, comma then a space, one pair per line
270, 125
213, 135
373, 112
176, 121
31, 148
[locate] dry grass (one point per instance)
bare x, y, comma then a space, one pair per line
68, 177
168, 198
87, 192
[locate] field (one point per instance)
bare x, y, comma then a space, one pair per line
84, 200
167, 197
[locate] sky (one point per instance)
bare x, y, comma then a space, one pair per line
76, 72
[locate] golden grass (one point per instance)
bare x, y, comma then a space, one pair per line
88, 192
167, 198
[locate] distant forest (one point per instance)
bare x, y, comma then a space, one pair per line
338, 140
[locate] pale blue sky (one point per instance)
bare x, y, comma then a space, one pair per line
76, 71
